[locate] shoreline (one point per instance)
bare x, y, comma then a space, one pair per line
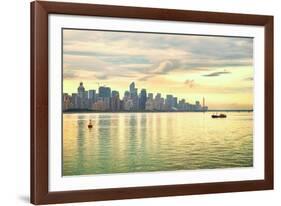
100, 112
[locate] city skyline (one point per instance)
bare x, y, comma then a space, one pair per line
134, 99
190, 67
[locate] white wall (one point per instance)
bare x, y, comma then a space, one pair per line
14, 84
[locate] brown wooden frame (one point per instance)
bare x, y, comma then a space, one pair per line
39, 102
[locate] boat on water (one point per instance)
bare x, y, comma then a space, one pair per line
90, 125
219, 116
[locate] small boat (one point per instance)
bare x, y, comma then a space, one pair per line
219, 116
90, 124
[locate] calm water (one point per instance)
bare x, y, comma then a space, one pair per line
139, 142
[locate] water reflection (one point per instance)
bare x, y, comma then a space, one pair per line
139, 142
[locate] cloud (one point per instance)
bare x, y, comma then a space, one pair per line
101, 76
145, 78
215, 74
161, 68
164, 67
69, 75
189, 83
143, 55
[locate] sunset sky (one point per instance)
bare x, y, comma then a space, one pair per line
187, 66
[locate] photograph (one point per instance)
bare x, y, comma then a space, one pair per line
155, 102
131, 102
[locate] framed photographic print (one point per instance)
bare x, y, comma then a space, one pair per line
131, 102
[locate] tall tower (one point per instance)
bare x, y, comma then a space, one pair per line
142, 99
132, 87
203, 102
204, 108
81, 90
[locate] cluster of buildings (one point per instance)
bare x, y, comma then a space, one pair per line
109, 100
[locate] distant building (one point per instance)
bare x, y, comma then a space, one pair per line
149, 105
99, 105
81, 97
127, 94
105, 100
142, 99
134, 96
92, 95
198, 106
66, 102
169, 102
158, 102
74, 101
175, 103
132, 88
204, 108
182, 105
81, 90
115, 101
128, 105
104, 92
92, 98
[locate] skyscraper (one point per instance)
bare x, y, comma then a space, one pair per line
81, 90
92, 94
105, 94
132, 87
149, 105
66, 102
175, 102
82, 97
115, 101
107, 100
134, 96
142, 100
169, 102
92, 98
104, 91
158, 102
197, 106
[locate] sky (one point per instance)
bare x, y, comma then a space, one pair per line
187, 66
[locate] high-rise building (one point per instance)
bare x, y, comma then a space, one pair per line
182, 105
106, 100
175, 103
132, 87
105, 95
134, 96
104, 91
99, 105
85, 100
81, 90
127, 94
92, 98
128, 105
81, 96
66, 102
169, 102
197, 106
204, 108
115, 101
74, 101
142, 99
92, 94
158, 102
149, 105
